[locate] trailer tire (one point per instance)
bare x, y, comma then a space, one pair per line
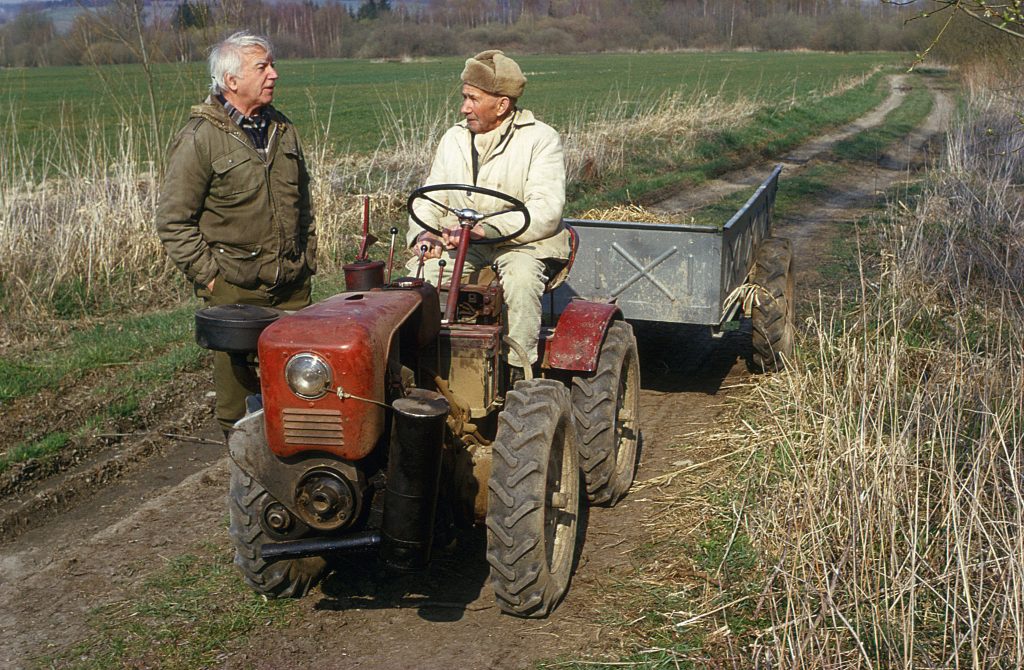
772, 315
606, 409
533, 499
290, 578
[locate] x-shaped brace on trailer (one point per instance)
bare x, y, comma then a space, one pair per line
643, 271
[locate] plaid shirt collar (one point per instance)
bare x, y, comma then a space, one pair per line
255, 126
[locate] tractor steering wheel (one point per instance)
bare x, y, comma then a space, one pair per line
468, 214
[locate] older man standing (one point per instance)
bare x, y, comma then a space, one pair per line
504, 148
234, 212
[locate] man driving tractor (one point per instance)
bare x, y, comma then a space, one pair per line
501, 147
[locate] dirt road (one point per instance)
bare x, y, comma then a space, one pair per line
92, 532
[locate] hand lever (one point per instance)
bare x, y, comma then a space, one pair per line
419, 267
440, 273
391, 253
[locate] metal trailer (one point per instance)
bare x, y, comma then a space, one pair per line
670, 272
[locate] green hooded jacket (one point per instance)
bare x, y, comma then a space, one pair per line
225, 212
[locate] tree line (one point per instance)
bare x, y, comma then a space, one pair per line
129, 31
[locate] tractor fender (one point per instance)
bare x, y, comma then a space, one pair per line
576, 342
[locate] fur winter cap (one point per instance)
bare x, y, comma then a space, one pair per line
494, 72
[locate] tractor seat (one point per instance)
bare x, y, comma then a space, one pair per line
558, 268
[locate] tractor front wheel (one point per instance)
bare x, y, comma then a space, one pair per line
279, 579
606, 408
772, 316
534, 498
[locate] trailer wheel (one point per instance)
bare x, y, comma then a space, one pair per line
606, 409
772, 316
533, 499
278, 579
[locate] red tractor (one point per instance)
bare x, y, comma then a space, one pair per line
386, 414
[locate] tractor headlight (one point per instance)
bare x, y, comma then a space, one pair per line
308, 376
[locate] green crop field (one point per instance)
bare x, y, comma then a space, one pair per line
351, 95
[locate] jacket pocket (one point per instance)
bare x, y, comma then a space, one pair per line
290, 166
234, 173
239, 264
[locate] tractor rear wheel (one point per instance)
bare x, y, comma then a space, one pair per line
533, 499
279, 579
606, 409
772, 316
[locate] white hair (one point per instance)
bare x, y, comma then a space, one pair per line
226, 57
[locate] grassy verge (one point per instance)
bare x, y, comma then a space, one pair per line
898, 124
794, 190
653, 166
881, 501
868, 146
146, 351
184, 616
117, 398
119, 342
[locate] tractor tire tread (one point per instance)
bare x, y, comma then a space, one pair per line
773, 330
278, 579
594, 405
524, 583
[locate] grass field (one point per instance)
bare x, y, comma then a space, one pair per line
351, 95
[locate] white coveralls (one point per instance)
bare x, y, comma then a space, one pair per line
522, 158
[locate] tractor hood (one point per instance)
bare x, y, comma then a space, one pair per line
346, 339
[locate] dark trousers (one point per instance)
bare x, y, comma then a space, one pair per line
233, 383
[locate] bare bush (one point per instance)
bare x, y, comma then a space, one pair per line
893, 533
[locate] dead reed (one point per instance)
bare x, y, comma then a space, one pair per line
598, 143
76, 221
892, 529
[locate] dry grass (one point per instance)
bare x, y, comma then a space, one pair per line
871, 514
597, 146
893, 529
631, 213
78, 235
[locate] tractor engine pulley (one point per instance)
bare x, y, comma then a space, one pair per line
325, 500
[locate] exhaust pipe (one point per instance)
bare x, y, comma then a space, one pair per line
319, 547
414, 468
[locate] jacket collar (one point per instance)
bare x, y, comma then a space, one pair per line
520, 118
213, 111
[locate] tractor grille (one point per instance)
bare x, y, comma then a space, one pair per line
313, 426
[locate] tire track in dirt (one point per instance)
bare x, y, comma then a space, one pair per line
50, 582
689, 200
106, 545
823, 219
